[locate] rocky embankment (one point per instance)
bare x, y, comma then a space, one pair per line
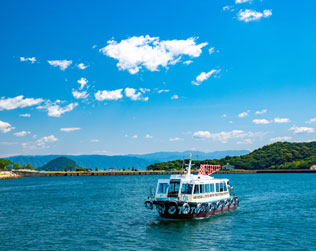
8, 175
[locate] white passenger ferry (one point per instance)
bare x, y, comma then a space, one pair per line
193, 196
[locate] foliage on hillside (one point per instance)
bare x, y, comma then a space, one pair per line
280, 155
59, 164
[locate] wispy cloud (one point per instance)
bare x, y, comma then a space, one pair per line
25, 115
62, 64
32, 59
18, 102
261, 112
55, 109
69, 129
252, 15
261, 121
82, 82
302, 129
79, 95
22, 133
204, 76
148, 136
243, 114
161, 91
175, 139
281, 120
280, 139
136, 53
174, 97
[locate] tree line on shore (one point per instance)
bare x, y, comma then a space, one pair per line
280, 155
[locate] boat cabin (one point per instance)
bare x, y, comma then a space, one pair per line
192, 188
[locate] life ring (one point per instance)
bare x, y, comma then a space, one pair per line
198, 208
160, 208
185, 208
172, 207
149, 204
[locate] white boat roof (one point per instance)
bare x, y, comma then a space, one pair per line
192, 177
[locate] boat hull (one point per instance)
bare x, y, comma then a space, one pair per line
174, 210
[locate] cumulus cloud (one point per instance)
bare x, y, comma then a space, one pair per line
5, 127
175, 139
44, 140
148, 136
79, 95
82, 82
55, 110
149, 52
302, 129
261, 121
174, 97
69, 129
62, 64
95, 140
135, 137
32, 59
22, 133
243, 114
262, 111
252, 15
281, 120
18, 102
108, 95
82, 66
134, 95
280, 139
25, 115
204, 76
224, 137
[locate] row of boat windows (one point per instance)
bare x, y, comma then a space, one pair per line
188, 188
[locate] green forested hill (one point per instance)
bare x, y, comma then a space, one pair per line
59, 164
280, 155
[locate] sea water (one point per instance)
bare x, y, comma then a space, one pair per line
277, 211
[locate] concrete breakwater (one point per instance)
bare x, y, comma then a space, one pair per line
32, 173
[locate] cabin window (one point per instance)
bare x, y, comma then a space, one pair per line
221, 188
187, 189
174, 186
196, 189
225, 187
212, 188
162, 188
207, 188
202, 189
217, 187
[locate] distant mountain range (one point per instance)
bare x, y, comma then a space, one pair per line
138, 161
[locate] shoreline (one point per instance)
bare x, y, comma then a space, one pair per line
25, 173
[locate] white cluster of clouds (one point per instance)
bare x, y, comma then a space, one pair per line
55, 109
82, 66
224, 137
25, 115
261, 112
204, 76
280, 139
32, 59
149, 52
131, 93
175, 139
275, 120
80, 94
243, 114
22, 133
18, 102
302, 129
252, 15
62, 64
5, 127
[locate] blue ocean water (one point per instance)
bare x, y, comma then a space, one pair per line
277, 211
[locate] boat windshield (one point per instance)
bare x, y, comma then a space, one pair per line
187, 188
162, 188
174, 188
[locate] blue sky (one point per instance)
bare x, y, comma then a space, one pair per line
120, 77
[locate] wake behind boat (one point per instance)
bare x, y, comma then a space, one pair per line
193, 196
